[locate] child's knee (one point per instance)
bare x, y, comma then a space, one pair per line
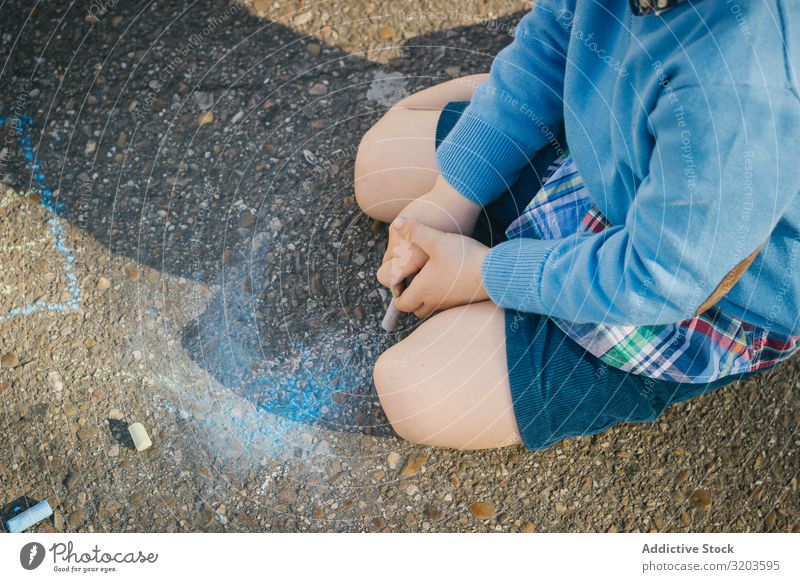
395, 391
370, 160
365, 168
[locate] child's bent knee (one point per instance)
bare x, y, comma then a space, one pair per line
387, 373
369, 163
363, 182
390, 375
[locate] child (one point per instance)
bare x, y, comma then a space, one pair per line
631, 175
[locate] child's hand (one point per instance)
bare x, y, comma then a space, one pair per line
401, 256
450, 276
442, 208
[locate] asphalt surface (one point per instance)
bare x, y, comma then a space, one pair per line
180, 247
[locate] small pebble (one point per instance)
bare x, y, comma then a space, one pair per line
204, 100
303, 17
317, 285
205, 118
247, 221
76, 518
58, 520
413, 464
340, 397
387, 33
9, 360
482, 510
86, 434
72, 480
206, 517
434, 513
682, 476
393, 459
701, 498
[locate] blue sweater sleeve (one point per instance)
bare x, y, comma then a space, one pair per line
713, 185
515, 112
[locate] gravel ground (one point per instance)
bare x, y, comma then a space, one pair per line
180, 247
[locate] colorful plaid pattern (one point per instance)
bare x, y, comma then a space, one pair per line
697, 350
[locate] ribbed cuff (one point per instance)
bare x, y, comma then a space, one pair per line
479, 160
511, 274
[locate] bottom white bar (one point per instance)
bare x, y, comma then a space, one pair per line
617, 557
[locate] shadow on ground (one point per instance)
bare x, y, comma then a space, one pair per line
223, 153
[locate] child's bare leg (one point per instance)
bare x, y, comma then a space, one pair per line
396, 160
447, 384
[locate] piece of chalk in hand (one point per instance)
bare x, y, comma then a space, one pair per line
391, 318
392, 313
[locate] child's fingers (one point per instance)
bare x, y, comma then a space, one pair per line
424, 311
399, 247
420, 234
384, 275
411, 299
409, 303
407, 252
395, 271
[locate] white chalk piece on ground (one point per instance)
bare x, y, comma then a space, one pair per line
141, 440
29, 517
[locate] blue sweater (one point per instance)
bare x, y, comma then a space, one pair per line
685, 128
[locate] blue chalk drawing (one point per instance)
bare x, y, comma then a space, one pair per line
300, 395
48, 200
